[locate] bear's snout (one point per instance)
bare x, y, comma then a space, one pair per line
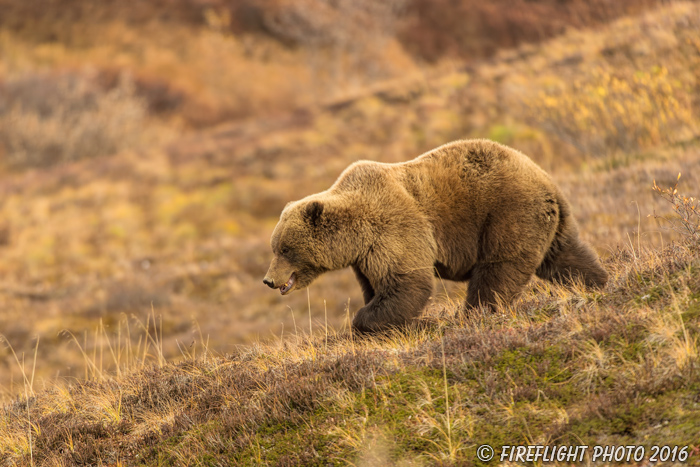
269, 282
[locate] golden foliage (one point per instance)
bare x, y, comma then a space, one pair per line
624, 111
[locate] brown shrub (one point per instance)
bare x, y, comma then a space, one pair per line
687, 210
432, 29
51, 118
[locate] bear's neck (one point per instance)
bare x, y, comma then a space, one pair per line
346, 243
356, 239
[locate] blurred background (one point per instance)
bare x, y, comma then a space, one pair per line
148, 147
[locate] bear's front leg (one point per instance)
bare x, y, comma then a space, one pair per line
397, 300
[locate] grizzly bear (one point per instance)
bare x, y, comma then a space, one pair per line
470, 210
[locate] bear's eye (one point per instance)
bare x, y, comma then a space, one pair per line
284, 250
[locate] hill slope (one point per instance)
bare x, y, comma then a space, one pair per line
565, 367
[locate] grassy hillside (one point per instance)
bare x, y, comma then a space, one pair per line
145, 156
568, 367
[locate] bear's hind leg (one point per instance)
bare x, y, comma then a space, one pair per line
570, 261
492, 283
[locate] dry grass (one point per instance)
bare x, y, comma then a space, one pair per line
560, 366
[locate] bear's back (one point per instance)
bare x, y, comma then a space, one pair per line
463, 171
480, 158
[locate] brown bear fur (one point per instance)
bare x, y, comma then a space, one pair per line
470, 210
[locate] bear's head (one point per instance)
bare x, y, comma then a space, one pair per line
300, 245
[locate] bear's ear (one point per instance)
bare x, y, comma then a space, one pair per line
313, 212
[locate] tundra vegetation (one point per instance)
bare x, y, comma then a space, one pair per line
147, 151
